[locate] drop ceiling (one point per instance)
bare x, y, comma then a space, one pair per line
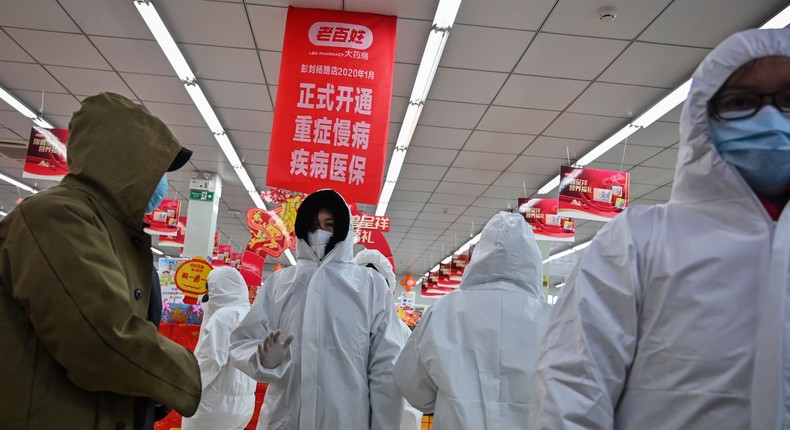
523, 86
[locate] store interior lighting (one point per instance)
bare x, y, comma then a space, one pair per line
187, 77
666, 104
437, 39
156, 251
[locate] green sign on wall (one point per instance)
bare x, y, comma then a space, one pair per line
206, 196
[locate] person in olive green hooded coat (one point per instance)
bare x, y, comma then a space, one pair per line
76, 347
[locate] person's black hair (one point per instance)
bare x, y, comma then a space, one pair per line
307, 214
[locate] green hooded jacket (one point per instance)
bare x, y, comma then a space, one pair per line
75, 282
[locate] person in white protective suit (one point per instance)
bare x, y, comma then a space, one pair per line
676, 315
471, 357
411, 418
228, 398
337, 374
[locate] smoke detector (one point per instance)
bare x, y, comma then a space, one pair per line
607, 13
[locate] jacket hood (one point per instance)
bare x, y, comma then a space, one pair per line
507, 252
701, 174
118, 151
343, 235
380, 262
226, 287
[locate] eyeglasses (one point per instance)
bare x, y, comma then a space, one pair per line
744, 105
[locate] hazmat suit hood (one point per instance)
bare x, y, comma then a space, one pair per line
701, 174
118, 152
380, 262
226, 287
507, 252
343, 235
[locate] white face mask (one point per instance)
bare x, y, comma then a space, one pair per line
318, 240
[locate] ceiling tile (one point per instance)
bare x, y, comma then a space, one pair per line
451, 199
507, 193
468, 86
495, 204
268, 26
245, 120
460, 188
189, 136
414, 9
662, 194
652, 175
665, 159
21, 76
524, 180
504, 143
211, 62
10, 51
403, 79
73, 50
654, 65
441, 217
410, 41
430, 156
515, 120
407, 184
439, 137
679, 24
253, 156
589, 127
537, 165
632, 154
662, 134
449, 114
580, 17
411, 196
556, 147
196, 22
624, 101
539, 93
237, 95
36, 14
421, 171
134, 55
573, 57
515, 14
107, 18
483, 160
86, 82
406, 206
54, 104
471, 176
444, 208
484, 48
168, 89
173, 114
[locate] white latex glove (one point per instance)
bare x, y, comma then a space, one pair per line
271, 352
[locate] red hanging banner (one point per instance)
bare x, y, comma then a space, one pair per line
332, 113
46, 154
541, 215
598, 195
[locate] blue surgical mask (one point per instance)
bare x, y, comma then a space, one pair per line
159, 195
759, 147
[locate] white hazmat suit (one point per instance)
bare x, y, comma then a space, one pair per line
228, 398
411, 418
674, 318
339, 374
471, 357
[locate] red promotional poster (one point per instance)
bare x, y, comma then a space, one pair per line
598, 195
178, 239
541, 215
332, 113
164, 219
369, 231
46, 154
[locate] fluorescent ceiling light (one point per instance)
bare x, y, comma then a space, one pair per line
428, 65
445, 13
184, 72
560, 285
409, 125
581, 246
780, 20
3, 213
669, 102
386, 195
165, 40
16, 183
16, 104
567, 252
156, 251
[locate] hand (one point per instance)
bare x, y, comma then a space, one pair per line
271, 352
